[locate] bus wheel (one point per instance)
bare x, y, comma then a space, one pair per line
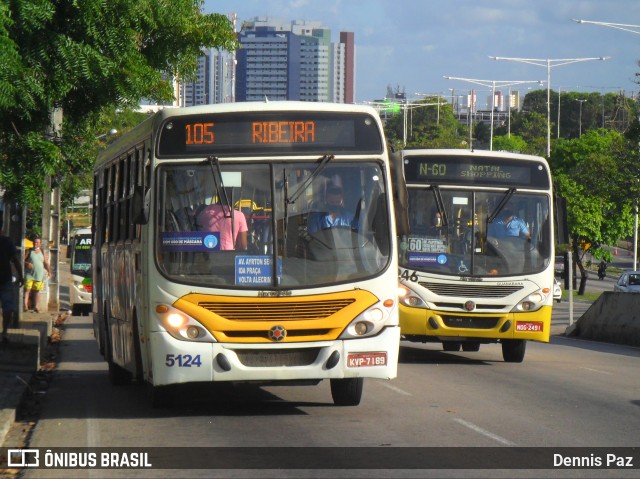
347, 392
513, 350
451, 346
137, 351
161, 396
471, 347
118, 376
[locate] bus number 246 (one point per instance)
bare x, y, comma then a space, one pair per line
183, 360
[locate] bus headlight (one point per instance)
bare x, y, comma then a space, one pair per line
532, 302
409, 298
175, 320
371, 321
81, 286
182, 326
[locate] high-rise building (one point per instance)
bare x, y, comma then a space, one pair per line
213, 81
344, 69
295, 60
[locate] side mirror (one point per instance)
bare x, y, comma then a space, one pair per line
140, 207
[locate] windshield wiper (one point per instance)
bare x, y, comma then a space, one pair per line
503, 202
440, 205
220, 189
286, 204
324, 161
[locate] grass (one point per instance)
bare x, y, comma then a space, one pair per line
587, 296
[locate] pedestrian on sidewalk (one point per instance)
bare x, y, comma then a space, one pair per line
9, 256
35, 265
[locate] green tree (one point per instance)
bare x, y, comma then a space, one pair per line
84, 57
431, 123
78, 152
531, 126
597, 174
514, 144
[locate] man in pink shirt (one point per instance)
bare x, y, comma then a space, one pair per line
232, 236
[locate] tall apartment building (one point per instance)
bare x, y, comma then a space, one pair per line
294, 60
213, 82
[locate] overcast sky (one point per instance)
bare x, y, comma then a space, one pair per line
413, 44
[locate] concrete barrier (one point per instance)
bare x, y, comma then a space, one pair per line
22, 353
41, 322
613, 318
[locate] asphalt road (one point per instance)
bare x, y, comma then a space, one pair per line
567, 393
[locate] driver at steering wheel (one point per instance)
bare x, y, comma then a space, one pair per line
510, 225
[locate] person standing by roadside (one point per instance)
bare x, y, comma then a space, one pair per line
8, 256
35, 266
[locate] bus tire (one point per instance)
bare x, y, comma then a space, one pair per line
161, 396
451, 346
118, 376
100, 333
137, 352
513, 350
347, 392
471, 346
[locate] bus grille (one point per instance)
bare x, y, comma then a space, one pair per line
471, 322
285, 311
467, 290
277, 357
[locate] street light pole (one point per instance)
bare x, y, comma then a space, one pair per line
405, 107
580, 121
549, 64
559, 90
493, 84
632, 29
509, 115
620, 26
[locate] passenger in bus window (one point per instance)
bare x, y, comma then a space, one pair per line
333, 214
436, 227
509, 225
218, 218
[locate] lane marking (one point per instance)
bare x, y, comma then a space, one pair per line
484, 432
596, 370
398, 390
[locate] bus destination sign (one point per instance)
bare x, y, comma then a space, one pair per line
293, 132
478, 171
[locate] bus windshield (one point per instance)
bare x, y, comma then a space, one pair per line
227, 224
81, 255
464, 232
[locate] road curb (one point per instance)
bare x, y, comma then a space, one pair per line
21, 359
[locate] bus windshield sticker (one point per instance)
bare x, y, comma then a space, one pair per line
189, 241
421, 259
426, 244
255, 270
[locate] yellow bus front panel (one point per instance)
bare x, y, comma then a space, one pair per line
423, 322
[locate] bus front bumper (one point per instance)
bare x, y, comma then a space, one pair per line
179, 361
487, 327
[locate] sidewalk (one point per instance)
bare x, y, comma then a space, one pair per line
30, 351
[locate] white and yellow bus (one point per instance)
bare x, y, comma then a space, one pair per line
79, 254
172, 304
477, 263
